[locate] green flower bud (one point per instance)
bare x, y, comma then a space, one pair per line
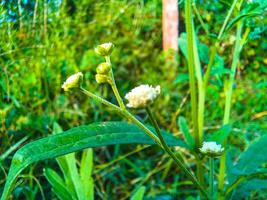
101, 78
104, 49
103, 68
74, 81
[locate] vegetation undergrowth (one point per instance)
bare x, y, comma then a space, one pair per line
221, 157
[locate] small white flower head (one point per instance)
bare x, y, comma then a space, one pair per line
74, 81
211, 149
104, 49
142, 96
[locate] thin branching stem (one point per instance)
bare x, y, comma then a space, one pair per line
114, 86
123, 113
217, 43
157, 140
176, 157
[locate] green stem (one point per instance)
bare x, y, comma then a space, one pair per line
114, 86
177, 160
228, 97
227, 19
201, 95
193, 94
200, 19
192, 60
211, 61
122, 112
101, 100
131, 118
211, 177
217, 43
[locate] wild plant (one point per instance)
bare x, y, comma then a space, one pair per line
223, 180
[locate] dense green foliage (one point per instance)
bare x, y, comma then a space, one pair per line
41, 44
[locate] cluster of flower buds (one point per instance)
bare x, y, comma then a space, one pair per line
211, 149
103, 71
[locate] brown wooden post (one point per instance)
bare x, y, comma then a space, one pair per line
170, 24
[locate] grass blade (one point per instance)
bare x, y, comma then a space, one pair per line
139, 194
85, 173
58, 184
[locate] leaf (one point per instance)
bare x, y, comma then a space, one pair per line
12, 148
58, 184
262, 174
220, 135
86, 163
139, 194
75, 139
246, 189
201, 49
185, 130
74, 175
64, 166
251, 10
249, 162
56, 128
181, 77
85, 174
220, 71
253, 157
241, 17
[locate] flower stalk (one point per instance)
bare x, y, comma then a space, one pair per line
174, 156
196, 118
211, 177
228, 97
114, 86
158, 139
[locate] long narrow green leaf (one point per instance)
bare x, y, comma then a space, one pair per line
90, 190
74, 175
139, 194
85, 173
86, 163
185, 130
58, 184
75, 139
63, 164
12, 148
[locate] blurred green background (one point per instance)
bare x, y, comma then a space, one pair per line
42, 43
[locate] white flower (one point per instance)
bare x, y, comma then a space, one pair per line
73, 81
141, 96
211, 148
104, 49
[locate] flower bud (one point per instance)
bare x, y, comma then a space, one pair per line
104, 49
103, 68
74, 81
101, 78
211, 149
